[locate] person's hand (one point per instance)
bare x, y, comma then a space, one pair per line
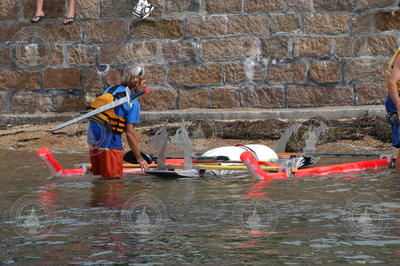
143, 164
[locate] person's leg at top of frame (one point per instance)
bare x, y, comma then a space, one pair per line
39, 12
70, 17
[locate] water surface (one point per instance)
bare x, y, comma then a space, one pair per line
152, 221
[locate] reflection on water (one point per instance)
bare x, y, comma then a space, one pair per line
144, 219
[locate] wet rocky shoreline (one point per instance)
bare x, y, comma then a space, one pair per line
359, 134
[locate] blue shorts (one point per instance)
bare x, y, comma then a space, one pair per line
391, 108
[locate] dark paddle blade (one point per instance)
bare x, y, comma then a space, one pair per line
211, 158
130, 158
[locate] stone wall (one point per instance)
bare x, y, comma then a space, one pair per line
199, 53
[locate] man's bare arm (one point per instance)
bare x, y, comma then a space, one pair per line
392, 84
133, 141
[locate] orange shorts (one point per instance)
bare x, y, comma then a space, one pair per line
106, 162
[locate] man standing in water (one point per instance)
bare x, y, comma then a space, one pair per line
393, 101
106, 129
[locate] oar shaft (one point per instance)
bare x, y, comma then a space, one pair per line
234, 167
134, 165
198, 158
283, 155
340, 155
126, 99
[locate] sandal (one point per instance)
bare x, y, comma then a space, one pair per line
71, 20
36, 21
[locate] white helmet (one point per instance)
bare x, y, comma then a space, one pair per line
137, 71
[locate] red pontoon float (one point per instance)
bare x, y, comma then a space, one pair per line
251, 163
